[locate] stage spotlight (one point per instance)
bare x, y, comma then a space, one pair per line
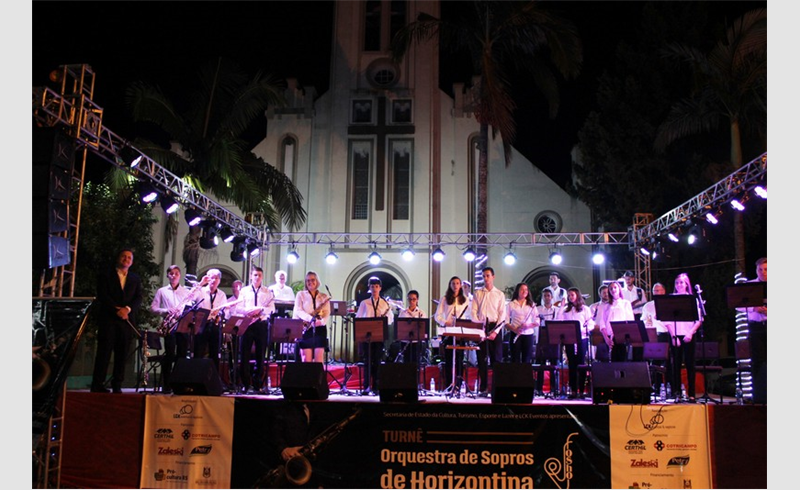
711, 218
375, 258
227, 234
169, 205
131, 157
598, 259
438, 254
292, 257
760, 191
694, 235
645, 251
510, 258
735, 204
210, 237
331, 258
673, 237
253, 249
556, 258
147, 192
239, 251
193, 217
469, 254
407, 254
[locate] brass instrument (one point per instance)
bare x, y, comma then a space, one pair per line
315, 313
145, 355
297, 470
561, 471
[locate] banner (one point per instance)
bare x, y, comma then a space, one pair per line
188, 442
659, 446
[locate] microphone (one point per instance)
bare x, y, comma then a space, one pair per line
328, 290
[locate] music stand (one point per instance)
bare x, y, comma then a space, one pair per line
236, 326
369, 330
192, 322
676, 308
285, 331
708, 351
630, 334
746, 294
409, 330
561, 333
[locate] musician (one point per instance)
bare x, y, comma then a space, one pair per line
559, 293
207, 343
373, 307
170, 300
523, 321
651, 321
602, 292
119, 296
617, 309
282, 292
257, 302
453, 306
576, 310
413, 310
757, 324
314, 308
633, 294
683, 342
489, 308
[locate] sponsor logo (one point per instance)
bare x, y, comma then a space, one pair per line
678, 461
159, 475
682, 447
635, 445
206, 472
169, 475
170, 451
163, 434
185, 412
186, 435
687, 483
643, 463
642, 484
201, 450
659, 445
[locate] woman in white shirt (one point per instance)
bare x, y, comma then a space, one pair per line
453, 306
683, 342
576, 310
523, 321
618, 309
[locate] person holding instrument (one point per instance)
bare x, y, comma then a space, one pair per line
489, 308
617, 309
453, 306
523, 321
373, 307
207, 343
757, 324
257, 302
314, 308
411, 350
169, 302
682, 343
576, 310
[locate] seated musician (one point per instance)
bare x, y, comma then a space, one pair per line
284, 295
314, 308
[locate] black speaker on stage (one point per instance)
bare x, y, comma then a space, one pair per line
398, 383
304, 381
195, 377
512, 383
621, 382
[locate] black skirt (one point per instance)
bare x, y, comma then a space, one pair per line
314, 338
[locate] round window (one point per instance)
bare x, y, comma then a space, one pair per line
547, 222
383, 73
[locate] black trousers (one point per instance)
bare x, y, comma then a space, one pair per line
113, 337
575, 356
680, 354
371, 354
207, 343
758, 360
491, 351
256, 335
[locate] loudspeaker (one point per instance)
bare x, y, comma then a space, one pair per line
512, 383
195, 377
621, 382
398, 383
304, 381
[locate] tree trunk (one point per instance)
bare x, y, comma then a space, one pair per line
738, 220
483, 183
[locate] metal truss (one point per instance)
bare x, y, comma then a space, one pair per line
425, 240
741, 181
74, 109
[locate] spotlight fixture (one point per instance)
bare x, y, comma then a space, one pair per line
737, 205
227, 234
438, 254
760, 191
469, 254
375, 258
711, 218
210, 237
253, 249
598, 259
331, 258
694, 235
645, 251
193, 217
147, 192
131, 157
556, 258
673, 237
239, 249
407, 254
169, 204
292, 257
510, 258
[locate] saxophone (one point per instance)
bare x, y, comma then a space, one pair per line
145, 355
553, 467
297, 471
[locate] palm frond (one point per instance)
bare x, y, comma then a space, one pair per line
148, 103
687, 117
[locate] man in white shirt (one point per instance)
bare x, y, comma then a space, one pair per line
372, 352
757, 323
169, 301
559, 293
258, 302
633, 294
489, 308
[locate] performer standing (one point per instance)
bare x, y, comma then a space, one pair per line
577, 311
634, 294
257, 302
523, 321
453, 306
373, 307
651, 321
413, 310
757, 323
208, 342
119, 296
412, 349
314, 308
489, 308
169, 301
683, 342
559, 293
280, 289
617, 309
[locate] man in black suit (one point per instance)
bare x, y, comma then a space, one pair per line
119, 295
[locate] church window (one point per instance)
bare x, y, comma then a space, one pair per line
401, 179
360, 160
401, 111
372, 26
547, 222
398, 17
362, 111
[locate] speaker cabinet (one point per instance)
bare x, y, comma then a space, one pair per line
304, 381
398, 383
195, 377
512, 383
621, 382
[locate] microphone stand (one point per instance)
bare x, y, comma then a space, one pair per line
702, 303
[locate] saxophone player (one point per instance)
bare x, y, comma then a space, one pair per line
169, 301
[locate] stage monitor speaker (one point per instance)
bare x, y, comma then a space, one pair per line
195, 377
621, 382
398, 383
304, 381
512, 383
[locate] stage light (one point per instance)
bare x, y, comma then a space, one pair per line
331, 258
556, 258
407, 254
735, 204
760, 191
292, 257
438, 254
169, 205
147, 192
210, 237
469, 254
711, 218
253, 249
510, 258
193, 217
645, 251
673, 237
375, 258
130, 157
227, 234
239, 251
599, 258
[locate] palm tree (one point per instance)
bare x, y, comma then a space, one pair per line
731, 84
501, 37
208, 148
